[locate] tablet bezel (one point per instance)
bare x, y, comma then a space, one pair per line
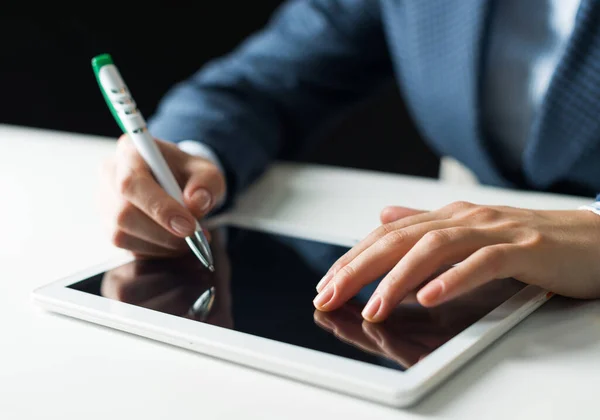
353, 377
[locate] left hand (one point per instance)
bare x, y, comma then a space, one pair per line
556, 250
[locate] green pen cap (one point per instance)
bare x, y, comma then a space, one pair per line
97, 63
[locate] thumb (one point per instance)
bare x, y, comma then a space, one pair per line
204, 189
392, 213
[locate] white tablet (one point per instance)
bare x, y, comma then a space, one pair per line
256, 310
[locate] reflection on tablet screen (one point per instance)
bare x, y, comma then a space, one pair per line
264, 285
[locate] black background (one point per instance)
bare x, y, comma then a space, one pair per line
46, 79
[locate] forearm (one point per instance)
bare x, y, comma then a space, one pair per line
277, 89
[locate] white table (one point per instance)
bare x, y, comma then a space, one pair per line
54, 367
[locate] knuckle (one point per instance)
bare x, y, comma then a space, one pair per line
383, 230
391, 284
126, 184
345, 274
459, 206
157, 210
533, 239
393, 238
211, 171
450, 279
482, 214
436, 239
336, 267
123, 215
118, 238
495, 258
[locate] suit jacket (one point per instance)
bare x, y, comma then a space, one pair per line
317, 57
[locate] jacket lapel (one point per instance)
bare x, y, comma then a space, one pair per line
569, 118
452, 68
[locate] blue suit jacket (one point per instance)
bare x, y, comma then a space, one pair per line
317, 57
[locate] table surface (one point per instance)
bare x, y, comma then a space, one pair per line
57, 367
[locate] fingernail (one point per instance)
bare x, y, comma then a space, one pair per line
202, 199
324, 297
182, 226
370, 311
431, 292
324, 281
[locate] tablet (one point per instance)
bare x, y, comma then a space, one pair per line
256, 310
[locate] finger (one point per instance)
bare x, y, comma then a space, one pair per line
393, 213
134, 222
135, 183
204, 189
139, 188
435, 249
373, 262
373, 237
139, 247
488, 263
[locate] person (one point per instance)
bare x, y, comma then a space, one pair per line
509, 88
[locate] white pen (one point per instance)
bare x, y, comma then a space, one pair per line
131, 121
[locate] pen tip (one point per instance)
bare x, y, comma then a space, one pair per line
211, 268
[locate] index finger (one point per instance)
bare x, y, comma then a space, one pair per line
373, 237
141, 189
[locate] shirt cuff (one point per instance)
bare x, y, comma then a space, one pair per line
199, 149
594, 208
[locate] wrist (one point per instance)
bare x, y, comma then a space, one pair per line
197, 148
593, 207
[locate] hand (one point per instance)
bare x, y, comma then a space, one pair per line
143, 218
173, 285
556, 250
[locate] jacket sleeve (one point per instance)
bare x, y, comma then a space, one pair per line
275, 91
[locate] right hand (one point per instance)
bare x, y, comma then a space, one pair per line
143, 218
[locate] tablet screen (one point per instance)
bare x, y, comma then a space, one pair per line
264, 285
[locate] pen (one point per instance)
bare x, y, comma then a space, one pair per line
130, 120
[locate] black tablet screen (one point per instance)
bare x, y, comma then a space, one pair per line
264, 285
